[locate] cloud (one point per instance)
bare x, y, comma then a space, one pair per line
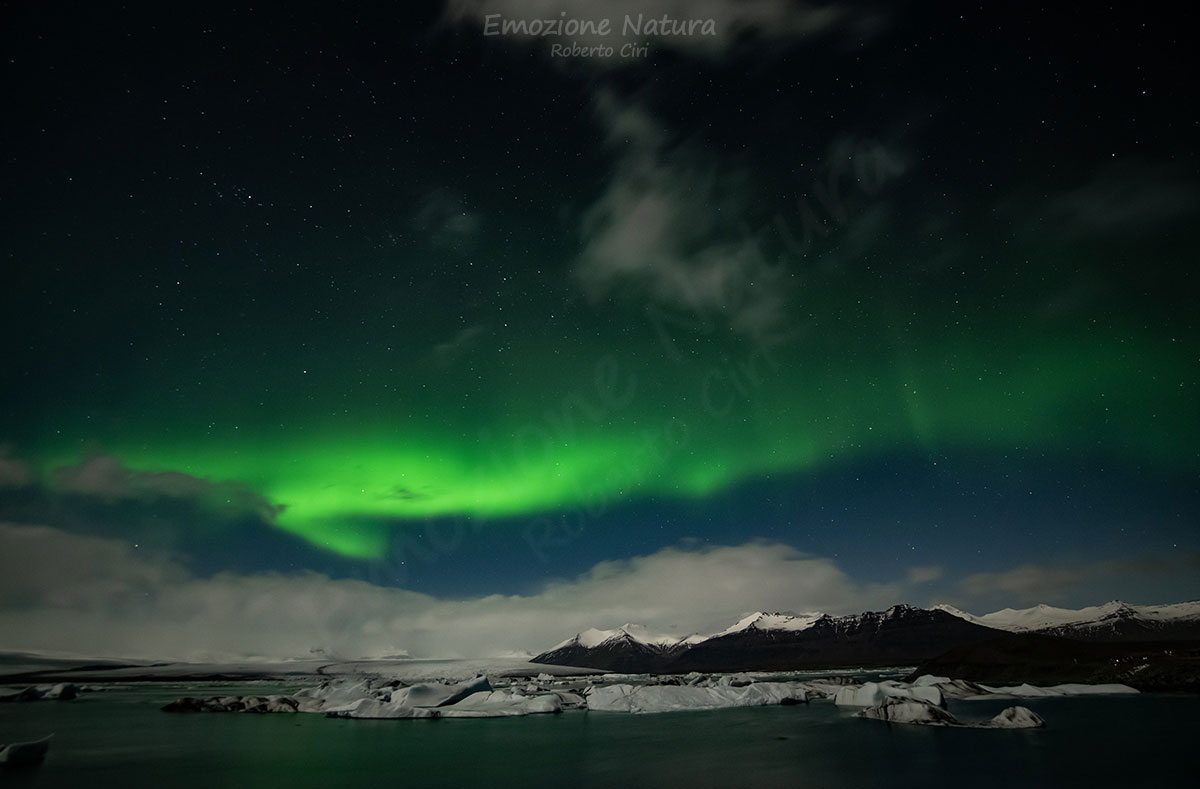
1079, 583
1127, 196
14, 472
448, 352
1028, 582
105, 477
667, 226
105, 597
733, 21
444, 221
924, 575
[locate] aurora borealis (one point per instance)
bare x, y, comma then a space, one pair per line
300, 288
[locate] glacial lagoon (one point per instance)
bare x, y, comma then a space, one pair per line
119, 736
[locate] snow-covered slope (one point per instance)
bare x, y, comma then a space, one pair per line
774, 641
761, 620
1113, 620
639, 634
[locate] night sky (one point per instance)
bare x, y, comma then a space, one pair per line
841, 306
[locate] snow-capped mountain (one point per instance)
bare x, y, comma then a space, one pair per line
764, 641
901, 635
761, 620
625, 649
1113, 621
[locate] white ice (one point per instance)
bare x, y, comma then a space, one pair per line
871, 694
668, 698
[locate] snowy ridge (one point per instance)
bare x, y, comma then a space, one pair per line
761, 620
949, 609
639, 634
1045, 617
594, 637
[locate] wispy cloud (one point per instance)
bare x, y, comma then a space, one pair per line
1126, 197
107, 478
924, 574
446, 353
443, 220
667, 228
1073, 583
14, 472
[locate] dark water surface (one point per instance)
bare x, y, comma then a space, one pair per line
119, 737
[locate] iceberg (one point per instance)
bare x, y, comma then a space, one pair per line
1016, 718
253, 704
951, 688
24, 754
483, 704
374, 709
429, 694
897, 709
670, 698
499, 704
873, 694
1068, 689
63, 691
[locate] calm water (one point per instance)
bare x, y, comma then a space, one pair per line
120, 738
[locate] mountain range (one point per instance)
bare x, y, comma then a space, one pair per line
901, 635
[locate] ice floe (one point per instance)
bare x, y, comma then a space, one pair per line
871, 694
24, 754
897, 709
920, 702
63, 691
669, 698
1017, 718
1068, 689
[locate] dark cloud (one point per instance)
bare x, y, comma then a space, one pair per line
663, 227
444, 221
1126, 197
467, 339
14, 472
1086, 583
107, 478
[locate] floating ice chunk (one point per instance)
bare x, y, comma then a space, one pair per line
432, 694
930, 679
341, 691
824, 689
498, 704
1068, 689
901, 710
570, 701
483, 704
897, 709
25, 694
371, 709
24, 754
666, 698
872, 694
950, 688
255, 704
1017, 718
63, 691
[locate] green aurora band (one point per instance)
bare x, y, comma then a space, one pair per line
589, 435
